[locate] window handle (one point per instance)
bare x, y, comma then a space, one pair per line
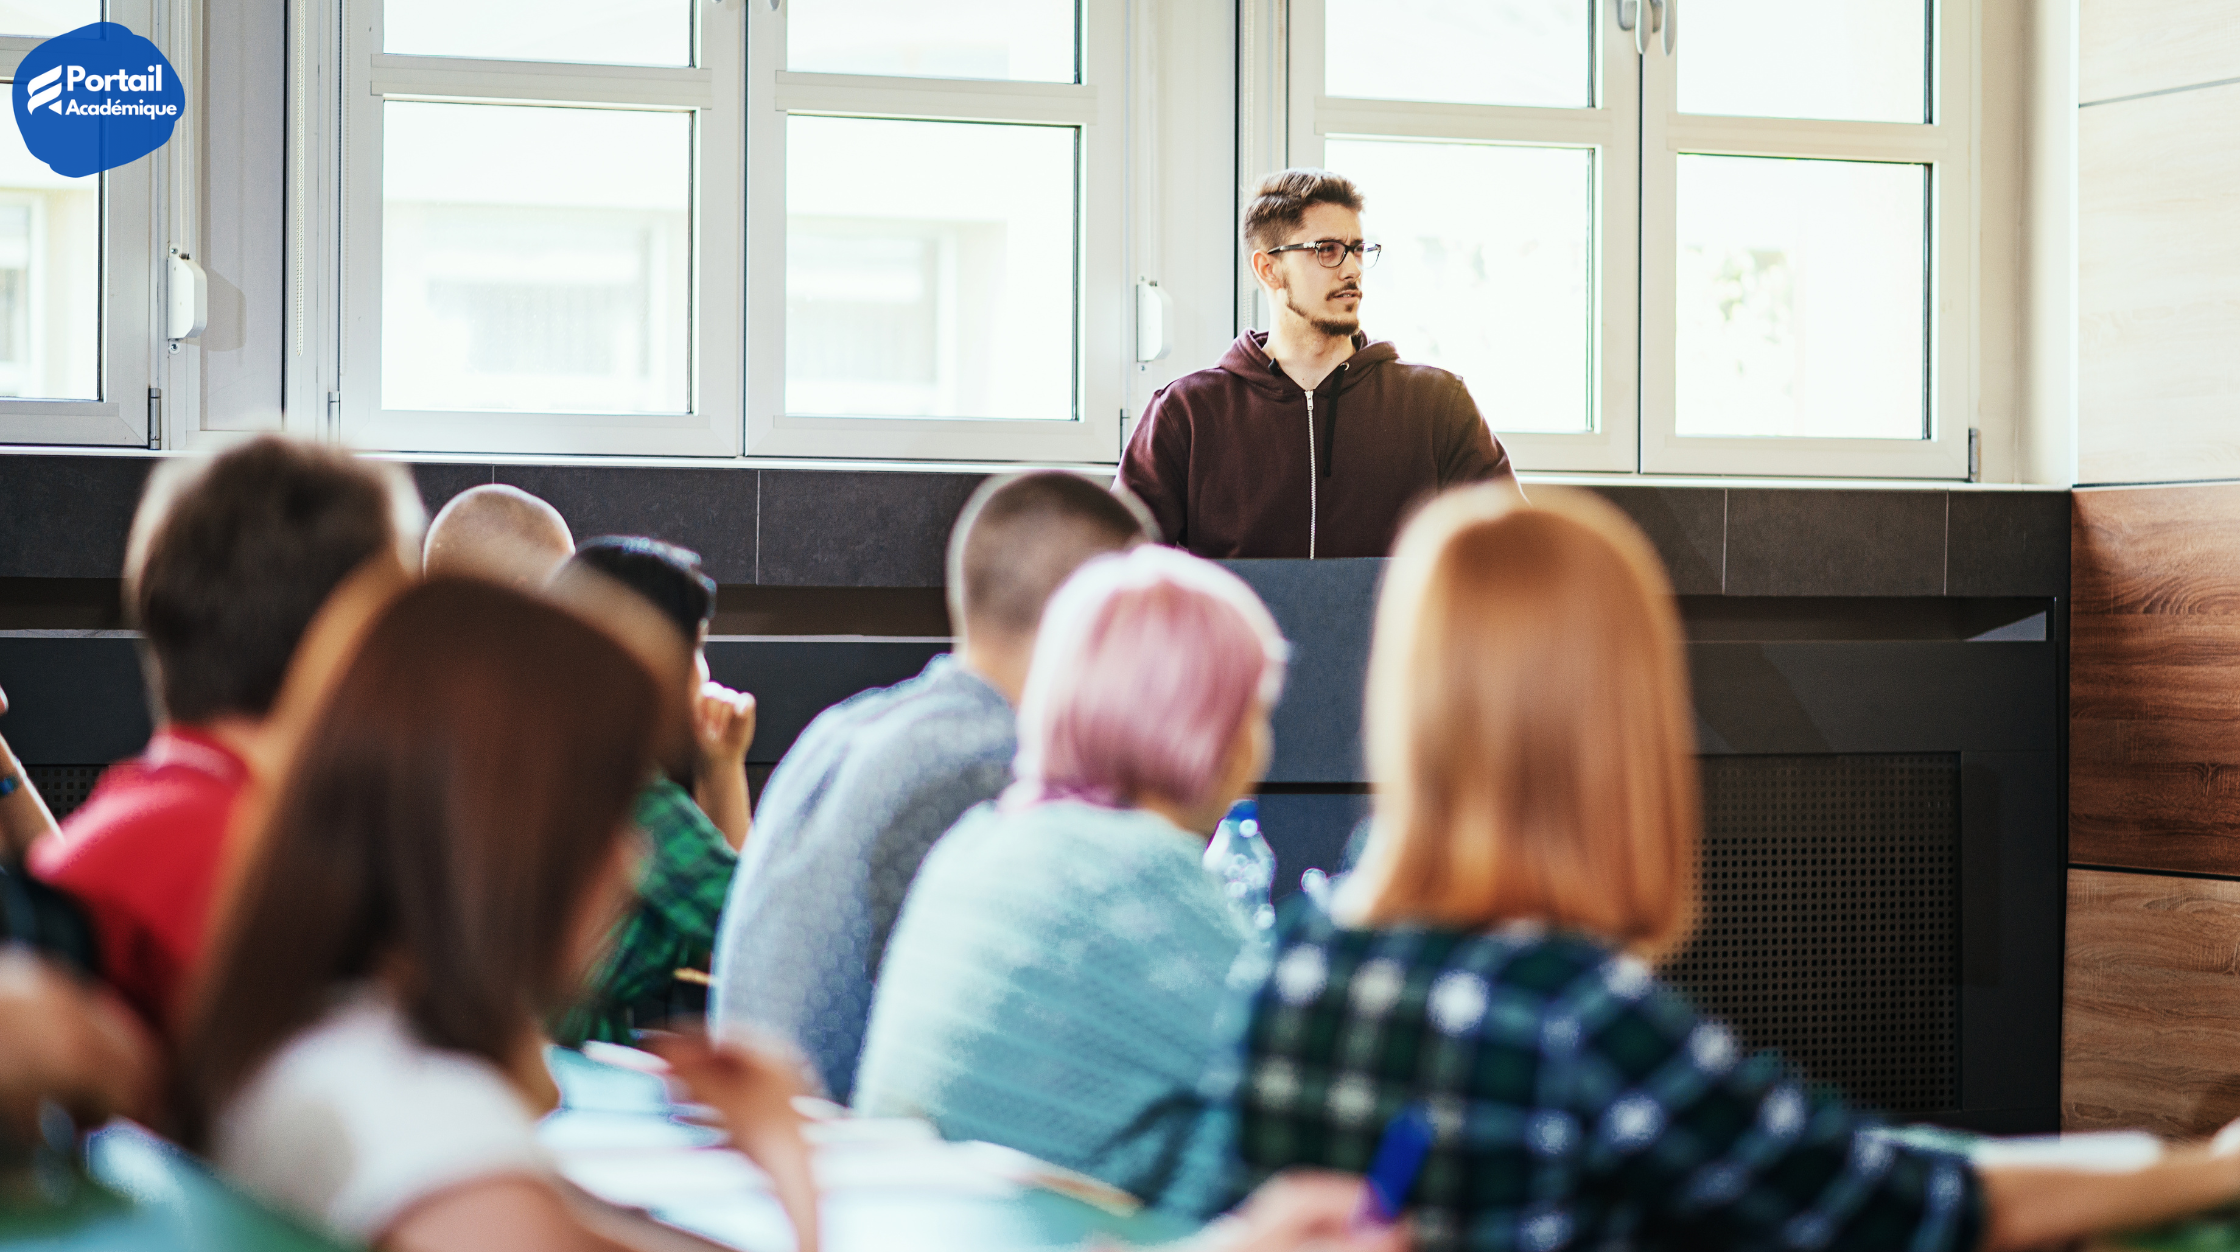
1629, 19
1668, 22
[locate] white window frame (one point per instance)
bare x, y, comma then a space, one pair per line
130, 251
1096, 105
711, 90
1635, 126
1610, 129
1945, 145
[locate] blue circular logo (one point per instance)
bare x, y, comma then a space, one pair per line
96, 98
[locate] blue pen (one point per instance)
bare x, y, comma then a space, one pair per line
1393, 1169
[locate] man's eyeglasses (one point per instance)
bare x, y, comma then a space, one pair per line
1333, 253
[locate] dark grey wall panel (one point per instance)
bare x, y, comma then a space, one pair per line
438, 483
1874, 697
710, 510
2013, 899
793, 680
2009, 543
1325, 608
66, 516
73, 701
1835, 542
1688, 526
858, 528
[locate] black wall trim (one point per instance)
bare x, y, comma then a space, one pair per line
2149, 870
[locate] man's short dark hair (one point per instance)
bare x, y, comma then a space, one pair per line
1022, 535
668, 576
232, 557
1280, 203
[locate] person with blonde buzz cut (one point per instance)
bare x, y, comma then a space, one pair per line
500, 534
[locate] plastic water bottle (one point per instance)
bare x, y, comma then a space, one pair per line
1240, 858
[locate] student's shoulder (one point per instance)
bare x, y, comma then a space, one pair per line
1523, 955
948, 724
1207, 384
1422, 380
133, 817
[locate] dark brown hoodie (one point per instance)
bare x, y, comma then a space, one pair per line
1222, 457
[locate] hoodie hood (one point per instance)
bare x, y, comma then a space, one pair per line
1247, 359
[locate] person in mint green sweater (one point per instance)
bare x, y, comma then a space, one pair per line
1060, 966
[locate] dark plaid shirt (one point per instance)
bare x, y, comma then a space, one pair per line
681, 888
1577, 1102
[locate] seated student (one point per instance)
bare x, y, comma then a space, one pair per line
229, 560
444, 862
1532, 855
645, 978
873, 782
1054, 982
510, 536
500, 534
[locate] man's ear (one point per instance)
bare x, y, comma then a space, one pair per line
1264, 269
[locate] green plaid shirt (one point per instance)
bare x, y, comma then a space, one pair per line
680, 895
1577, 1102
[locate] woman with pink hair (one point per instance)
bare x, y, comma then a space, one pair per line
1054, 980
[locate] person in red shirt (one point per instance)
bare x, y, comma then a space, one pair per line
229, 560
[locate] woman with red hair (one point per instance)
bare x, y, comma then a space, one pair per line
1489, 964
1055, 977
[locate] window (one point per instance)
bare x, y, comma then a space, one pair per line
933, 229
1714, 240
76, 351
1495, 142
841, 228
541, 247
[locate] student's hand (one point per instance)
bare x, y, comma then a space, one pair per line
723, 724
722, 727
66, 1040
24, 816
753, 1086
1302, 1210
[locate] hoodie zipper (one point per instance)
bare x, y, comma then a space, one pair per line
1312, 464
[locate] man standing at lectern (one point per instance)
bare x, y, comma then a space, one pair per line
1308, 439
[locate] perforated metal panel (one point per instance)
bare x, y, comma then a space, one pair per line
1830, 918
64, 788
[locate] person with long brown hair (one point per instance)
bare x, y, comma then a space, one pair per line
436, 873
1488, 965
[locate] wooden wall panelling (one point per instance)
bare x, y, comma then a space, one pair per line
2126, 47
2154, 679
2158, 375
2150, 1025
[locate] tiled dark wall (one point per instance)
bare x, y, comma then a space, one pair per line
65, 516
1810, 542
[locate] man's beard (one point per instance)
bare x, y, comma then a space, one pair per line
1342, 327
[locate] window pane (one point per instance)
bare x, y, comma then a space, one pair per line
613, 32
1865, 62
46, 17
964, 39
1487, 260
1803, 298
50, 278
929, 269
535, 259
1472, 52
